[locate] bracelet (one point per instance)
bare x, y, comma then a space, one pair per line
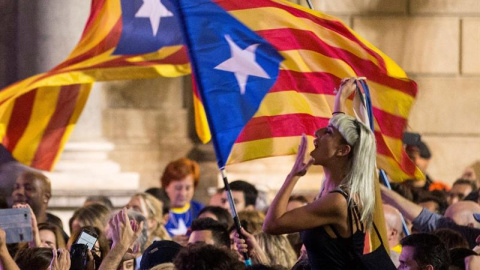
333, 113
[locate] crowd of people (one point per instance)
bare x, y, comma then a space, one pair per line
429, 225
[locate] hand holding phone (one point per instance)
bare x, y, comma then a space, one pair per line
87, 238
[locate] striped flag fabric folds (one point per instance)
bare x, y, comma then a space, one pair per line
121, 40
319, 51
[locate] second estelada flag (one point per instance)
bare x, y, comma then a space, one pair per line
234, 68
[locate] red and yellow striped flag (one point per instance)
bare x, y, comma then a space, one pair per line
38, 114
319, 51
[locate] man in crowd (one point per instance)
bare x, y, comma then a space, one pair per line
457, 217
244, 196
423, 251
460, 189
393, 222
209, 231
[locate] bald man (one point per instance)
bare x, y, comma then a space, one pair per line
393, 222
426, 221
462, 213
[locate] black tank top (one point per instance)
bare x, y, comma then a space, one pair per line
325, 252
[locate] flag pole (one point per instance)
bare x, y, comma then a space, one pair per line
221, 167
368, 104
233, 211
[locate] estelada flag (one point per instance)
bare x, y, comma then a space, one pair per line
319, 50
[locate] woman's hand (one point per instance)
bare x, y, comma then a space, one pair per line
347, 88
300, 167
248, 244
60, 261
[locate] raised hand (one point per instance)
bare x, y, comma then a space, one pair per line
300, 167
60, 261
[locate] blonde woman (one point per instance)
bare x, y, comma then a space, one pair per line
151, 208
333, 226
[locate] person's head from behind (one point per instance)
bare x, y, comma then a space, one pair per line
457, 257
423, 251
179, 179
393, 221
200, 256
460, 189
349, 144
37, 258
451, 238
217, 213
159, 253
99, 199
33, 188
244, 196
277, 248
209, 231
50, 236
462, 213
95, 215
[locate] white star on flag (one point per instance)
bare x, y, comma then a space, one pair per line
154, 10
181, 229
242, 64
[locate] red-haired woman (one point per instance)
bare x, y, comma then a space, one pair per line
179, 180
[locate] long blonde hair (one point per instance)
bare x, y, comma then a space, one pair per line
277, 248
155, 211
361, 169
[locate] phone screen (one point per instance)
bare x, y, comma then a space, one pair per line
87, 239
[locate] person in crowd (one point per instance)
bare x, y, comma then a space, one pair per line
99, 199
423, 251
458, 258
34, 189
200, 256
217, 213
51, 236
123, 234
100, 248
333, 226
426, 221
159, 253
162, 196
435, 201
209, 231
418, 151
451, 238
179, 179
151, 208
216, 198
34, 258
393, 222
277, 248
141, 243
94, 215
460, 189
244, 196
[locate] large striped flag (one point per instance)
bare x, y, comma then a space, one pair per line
123, 39
319, 51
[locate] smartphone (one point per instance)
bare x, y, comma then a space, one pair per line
87, 238
17, 224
